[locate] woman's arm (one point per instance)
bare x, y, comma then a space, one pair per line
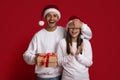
86, 57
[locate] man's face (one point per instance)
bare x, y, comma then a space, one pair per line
52, 19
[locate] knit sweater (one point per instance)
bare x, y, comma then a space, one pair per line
75, 67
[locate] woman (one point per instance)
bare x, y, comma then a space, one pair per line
74, 53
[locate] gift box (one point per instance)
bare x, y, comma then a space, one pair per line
47, 60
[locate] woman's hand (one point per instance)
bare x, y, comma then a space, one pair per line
79, 50
71, 50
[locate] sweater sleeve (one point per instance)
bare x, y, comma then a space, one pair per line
29, 55
86, 57
63, 58
86, 32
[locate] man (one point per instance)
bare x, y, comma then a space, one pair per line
46, 41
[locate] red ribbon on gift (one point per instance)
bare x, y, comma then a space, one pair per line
46, 58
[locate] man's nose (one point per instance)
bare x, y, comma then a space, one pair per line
51, 18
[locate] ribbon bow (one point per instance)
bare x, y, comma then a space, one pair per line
46, 58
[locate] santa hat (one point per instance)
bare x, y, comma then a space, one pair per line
46, 10
70, 20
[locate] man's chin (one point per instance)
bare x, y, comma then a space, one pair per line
51, 26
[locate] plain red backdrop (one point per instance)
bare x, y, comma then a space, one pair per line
19, 22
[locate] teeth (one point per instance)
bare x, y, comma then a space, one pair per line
51, 21
74, 33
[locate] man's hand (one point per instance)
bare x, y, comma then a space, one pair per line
77, 23
36, 56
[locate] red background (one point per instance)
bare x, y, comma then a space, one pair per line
19, 22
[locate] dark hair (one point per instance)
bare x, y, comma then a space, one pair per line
69, 40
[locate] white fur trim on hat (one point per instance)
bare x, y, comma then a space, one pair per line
52, 10
68, 24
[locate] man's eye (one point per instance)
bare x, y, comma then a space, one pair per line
55, 15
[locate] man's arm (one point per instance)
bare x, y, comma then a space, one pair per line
85, 29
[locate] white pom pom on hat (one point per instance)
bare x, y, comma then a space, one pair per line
46, 10
41, 23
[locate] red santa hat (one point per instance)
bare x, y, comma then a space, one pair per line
71, 20
46, 10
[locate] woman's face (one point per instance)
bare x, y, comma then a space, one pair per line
52, 19
73, 30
